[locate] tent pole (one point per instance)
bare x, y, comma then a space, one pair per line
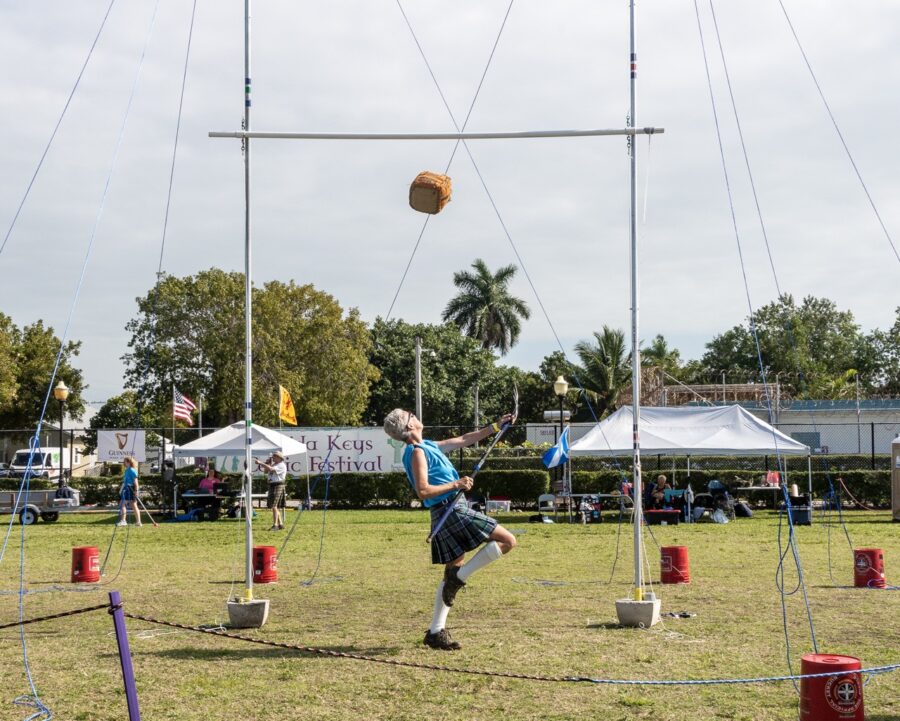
809, 479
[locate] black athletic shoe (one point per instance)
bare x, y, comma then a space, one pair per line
441, 641
452, 584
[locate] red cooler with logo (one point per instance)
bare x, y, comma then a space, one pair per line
85, 564
674, 566
831, 698
265, 564
868, 568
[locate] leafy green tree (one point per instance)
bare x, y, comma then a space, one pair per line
879, 361
31, 353
452, 366
605, 368
190, 333
484, 309
811, 346
7, 361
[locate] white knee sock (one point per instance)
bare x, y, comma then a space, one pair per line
487, 554
439, 618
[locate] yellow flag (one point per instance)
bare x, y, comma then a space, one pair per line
286, 410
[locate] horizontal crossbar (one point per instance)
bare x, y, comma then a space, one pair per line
435, 136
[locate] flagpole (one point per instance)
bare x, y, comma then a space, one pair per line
200, 419
174, 480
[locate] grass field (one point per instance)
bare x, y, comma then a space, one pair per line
373, 595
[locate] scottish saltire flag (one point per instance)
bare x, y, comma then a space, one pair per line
559, 453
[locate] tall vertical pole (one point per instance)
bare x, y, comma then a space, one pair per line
419, 379
561, 472
200, 419
635, 338
62, 448
248, 312
163, 462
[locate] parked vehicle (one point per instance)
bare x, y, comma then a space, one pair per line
5, 470
44, 464
44, 504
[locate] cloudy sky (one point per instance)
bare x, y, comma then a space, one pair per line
336, 215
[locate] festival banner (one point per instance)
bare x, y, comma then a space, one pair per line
336, 450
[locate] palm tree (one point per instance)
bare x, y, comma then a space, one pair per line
660, 355
484, 308
605, 368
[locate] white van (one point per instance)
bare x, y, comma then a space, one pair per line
45, 464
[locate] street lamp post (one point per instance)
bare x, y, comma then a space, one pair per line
61, 393
561, 387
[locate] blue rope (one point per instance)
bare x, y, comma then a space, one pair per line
872, 671
56, 128
34, 699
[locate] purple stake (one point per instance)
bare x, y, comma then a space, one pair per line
115, 608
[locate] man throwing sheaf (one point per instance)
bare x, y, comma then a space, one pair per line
435, 481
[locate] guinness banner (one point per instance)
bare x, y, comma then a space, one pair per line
115, 445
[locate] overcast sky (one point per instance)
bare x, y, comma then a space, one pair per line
336, 215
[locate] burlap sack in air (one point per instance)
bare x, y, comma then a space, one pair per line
429, 192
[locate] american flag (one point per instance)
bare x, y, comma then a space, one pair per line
182, 406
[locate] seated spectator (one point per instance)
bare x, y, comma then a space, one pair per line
658, 492
209, 481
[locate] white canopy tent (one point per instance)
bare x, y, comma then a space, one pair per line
689, 430
684, 430
230, 441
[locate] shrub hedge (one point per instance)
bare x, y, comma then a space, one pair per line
522, 483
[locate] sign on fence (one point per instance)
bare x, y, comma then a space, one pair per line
115, 445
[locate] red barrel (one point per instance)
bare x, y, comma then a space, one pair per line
265, 564
831, 698
868, 568
85, 564
674, 565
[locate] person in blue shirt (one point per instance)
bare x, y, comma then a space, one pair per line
435, 481
129, 492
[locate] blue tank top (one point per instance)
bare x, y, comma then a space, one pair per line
130, 477
440, 470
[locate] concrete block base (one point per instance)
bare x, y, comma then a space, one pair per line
248, 614
643, 614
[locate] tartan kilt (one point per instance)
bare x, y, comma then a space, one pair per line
463, 531
275, 496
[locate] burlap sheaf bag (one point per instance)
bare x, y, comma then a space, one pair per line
429, 192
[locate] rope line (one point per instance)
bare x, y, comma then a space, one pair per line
837, 129
573, 368
458, 129
217, 631
63, 614
754, 332
56, 127
502, 674
187, 55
